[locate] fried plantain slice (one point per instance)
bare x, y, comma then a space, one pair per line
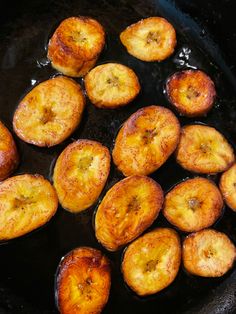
83, 36
83, 282
75, 45
26, 202
9, 157
193, 204
150, 39
228, 186
127, 209
208, 253
146, 140
151, 262
191, 92
67, 63
203, 149
80, 174
50, 112
111, 85
62, 60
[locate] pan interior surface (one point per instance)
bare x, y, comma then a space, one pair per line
28, 264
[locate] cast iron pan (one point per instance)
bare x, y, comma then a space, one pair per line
28, 264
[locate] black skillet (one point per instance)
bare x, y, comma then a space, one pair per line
28, 264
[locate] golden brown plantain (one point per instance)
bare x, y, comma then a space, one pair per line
80, 174
26, 203
228, 186
191, 92
111, 85
83, 282
151, 262
75, 45
9, 157
87, 65
151, 39
66, 63
126, 210
193, 204
208, 253
146, 140
203, 149
50, 112
62, 60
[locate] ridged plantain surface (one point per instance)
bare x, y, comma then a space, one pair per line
208, 253
191, 92
151, 262
80, 174
193, 204
150, 39
228, 186
75, 45
111, 85
26, 203
50, 112
83, 282
126, 210
203, 149
146, 140
9, 156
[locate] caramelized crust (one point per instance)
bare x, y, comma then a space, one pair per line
146, 140
111, 85
9, 157
80, 174
208, 253
191, 92
75, 45
62, 60
66, 63
151, 262
50, 112
26, 203
87, 66
193, 205
83, 282
203, 149
127, 209
151, 39
228, 186
83, 36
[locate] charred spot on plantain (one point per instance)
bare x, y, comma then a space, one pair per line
133, 205
209, 253
22, 201
192, 92
95, 262
77, 36
153, 37
149, 136
205, 148
113, 81
48, 115
194, 203
151, 265
84, 287
89, 281
85, 162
